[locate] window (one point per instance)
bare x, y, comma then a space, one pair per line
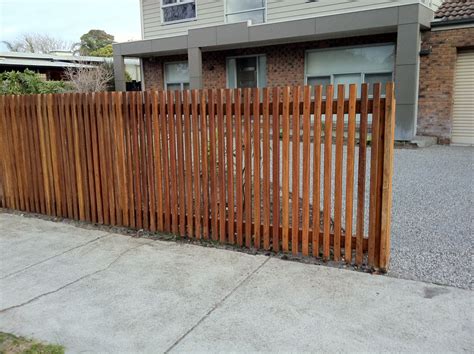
350, 66
173, 11
176, 76
247, 71
245, 10
318, 80
382, 78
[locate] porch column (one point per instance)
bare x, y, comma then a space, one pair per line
407, 70
119, 72
195, 68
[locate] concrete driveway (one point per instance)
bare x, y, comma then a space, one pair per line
93, 291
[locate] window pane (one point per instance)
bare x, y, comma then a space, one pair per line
242, 5
319, 80
173, 87
262, 71
371, 79
347, 60
179, 12
177, 72
167, 2
231, 73
257, 16
347, 79
246, 72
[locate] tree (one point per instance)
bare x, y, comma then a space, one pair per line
90, 79
28, 82
106, 51
93, 41
37, 43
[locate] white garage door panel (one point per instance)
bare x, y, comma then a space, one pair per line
463, 112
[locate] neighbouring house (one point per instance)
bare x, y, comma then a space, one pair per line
446, 96
52, 66
264, 43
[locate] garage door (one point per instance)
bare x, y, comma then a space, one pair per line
463, 112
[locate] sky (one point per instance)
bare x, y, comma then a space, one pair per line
69, 19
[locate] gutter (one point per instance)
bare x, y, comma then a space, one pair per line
442, 23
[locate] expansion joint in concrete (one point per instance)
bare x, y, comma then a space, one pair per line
217, 305
75, 281
52, 257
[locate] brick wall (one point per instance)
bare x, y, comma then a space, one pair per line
285, 63
437, 72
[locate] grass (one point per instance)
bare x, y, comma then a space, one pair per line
11, 344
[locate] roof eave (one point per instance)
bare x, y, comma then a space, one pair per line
441, 23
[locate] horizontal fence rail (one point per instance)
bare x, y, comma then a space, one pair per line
291, 169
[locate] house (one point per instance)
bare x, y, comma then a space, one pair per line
235, 43
446, 96
53, 65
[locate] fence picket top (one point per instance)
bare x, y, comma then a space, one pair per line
221, 160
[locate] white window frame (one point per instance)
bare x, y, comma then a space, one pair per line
235, 72
226, 13
181, 83
178, 2
331, 75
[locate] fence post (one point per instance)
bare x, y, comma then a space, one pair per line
388, 147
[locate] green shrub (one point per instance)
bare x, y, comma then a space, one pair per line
28, 82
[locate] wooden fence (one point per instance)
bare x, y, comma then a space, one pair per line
253, 168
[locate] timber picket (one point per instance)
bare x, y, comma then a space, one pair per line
248, 167
172, 161
196, 162
242, 167
266, 169
165, 161
361, 174
256, 166
230, 163
213, 165
238, 167
328, 115
317, 171
205, 167
350, 171
306, 169
221, 167
276, 169
338, 172
295, 195
285, 170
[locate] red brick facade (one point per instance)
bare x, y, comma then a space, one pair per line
437, 72
285, 63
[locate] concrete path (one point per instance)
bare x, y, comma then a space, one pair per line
92, 291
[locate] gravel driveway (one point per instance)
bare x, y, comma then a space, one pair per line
432, 227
